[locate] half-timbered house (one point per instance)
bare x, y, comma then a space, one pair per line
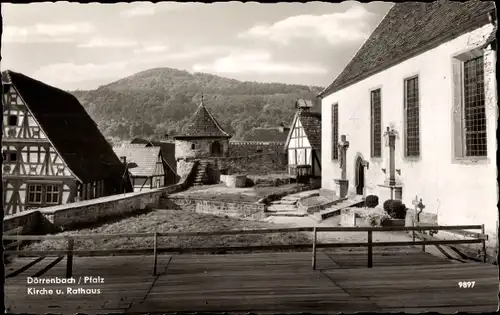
304, 141
53, 152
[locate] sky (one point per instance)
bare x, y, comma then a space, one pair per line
82, 46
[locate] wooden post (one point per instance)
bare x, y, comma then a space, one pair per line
155, 253
423, 241
484, 244
314, 249
69, 262
370, 248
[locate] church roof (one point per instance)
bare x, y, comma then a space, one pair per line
69, 128
203, 124
269, 134
409, 29
144, 157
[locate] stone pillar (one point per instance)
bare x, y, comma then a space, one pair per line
392, 163
343, 183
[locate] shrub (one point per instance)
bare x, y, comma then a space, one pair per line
395, 208
371, 201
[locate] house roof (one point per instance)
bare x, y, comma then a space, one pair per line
167, 150
69, 128
145, 158
270, 134
311, 122
409, 29
203, 124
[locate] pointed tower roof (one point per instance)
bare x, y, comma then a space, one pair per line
203, 124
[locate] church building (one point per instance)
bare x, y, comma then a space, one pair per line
415, 112
52, 151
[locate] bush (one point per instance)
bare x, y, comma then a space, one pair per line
395, 208
371, 201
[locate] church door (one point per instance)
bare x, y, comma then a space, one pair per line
360, 176
216, 149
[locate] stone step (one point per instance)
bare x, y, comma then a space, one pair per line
318, 207
335, 210
302, 195
284, 202
287, 214
278, 208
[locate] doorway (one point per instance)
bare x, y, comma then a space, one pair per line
216, 148
360, 176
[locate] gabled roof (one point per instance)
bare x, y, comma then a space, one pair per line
145, 158
167, 150
203, 124
410, 29
311, 122
69, 128
270, 134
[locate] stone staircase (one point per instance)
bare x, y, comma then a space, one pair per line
336, 207
289, 205
201, 173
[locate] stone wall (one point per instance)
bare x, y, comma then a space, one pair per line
262, 163
202, 147
246, 210
240, 149
73, 215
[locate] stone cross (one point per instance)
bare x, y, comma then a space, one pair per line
392, 163
418, 206
343, 146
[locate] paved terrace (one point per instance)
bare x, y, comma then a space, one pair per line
410, 281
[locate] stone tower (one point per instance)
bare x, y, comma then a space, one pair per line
203, 138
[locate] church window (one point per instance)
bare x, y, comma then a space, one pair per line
412, 117
469, 111
335, 131
376, 124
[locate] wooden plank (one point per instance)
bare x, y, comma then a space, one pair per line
238, 232
24, 268
16, 230
280, 282
182, 250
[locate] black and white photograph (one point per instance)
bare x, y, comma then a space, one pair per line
249, 157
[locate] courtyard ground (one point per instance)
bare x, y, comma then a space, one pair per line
222, 192
175, 221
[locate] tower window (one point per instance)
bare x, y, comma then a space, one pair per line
13, 120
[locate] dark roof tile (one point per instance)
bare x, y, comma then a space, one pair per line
203, 124
70, 129
311, 122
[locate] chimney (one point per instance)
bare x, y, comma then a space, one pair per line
492, 16
282, 127
124, 159
303, 105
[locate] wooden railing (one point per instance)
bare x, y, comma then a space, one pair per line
70, 252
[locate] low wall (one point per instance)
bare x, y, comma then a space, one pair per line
261, 163
242, 210
73, 215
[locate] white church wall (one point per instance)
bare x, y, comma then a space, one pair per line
458, 192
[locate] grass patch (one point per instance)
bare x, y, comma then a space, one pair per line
175, 221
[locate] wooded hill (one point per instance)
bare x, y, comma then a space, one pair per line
154, 102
